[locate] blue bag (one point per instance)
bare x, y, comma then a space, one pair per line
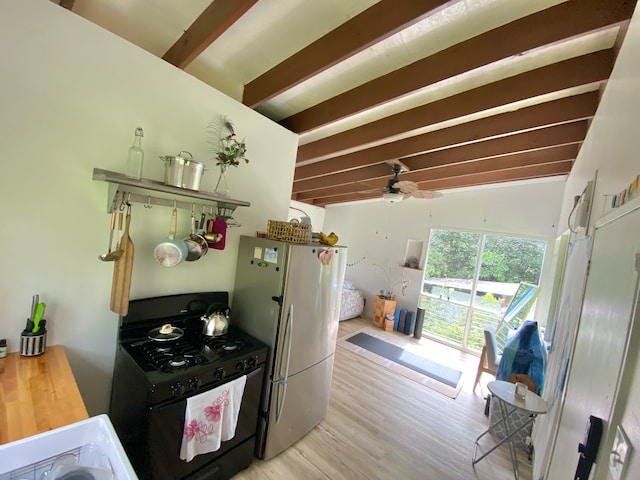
524, 354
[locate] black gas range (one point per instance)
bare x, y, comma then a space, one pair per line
152, 381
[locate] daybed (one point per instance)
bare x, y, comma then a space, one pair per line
352, 303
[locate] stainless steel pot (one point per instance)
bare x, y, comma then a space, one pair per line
182, 171
196, 243
215, 321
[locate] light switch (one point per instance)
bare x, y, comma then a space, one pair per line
619, 454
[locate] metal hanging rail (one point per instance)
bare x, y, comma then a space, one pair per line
125, 189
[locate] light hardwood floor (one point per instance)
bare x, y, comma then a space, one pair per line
381, 425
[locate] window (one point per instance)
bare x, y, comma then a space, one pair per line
470, 280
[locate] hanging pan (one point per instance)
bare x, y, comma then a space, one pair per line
171, 250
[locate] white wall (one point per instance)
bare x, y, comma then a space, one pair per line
72, 95
379, 231
316, 214
611, 150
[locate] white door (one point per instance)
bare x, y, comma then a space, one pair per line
601, 340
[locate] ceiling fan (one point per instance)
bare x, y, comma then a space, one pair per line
396, 189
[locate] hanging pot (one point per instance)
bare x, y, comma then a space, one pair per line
196, 244
182, 171
215, 321
165, 333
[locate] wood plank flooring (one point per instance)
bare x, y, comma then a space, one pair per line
381, 425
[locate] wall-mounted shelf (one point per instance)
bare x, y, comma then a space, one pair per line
415, 252
137, 191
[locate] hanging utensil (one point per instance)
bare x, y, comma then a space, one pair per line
203, 217
117, 253
196, 244
122, 270
111, 256
120, 216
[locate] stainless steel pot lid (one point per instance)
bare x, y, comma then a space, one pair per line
166, 333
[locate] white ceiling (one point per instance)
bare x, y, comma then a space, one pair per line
273, 30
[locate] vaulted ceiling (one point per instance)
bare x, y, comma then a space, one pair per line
461, 93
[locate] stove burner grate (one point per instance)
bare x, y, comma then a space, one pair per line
224, 344
191, 350
169, 357
178, 361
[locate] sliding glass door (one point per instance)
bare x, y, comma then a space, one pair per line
470, 279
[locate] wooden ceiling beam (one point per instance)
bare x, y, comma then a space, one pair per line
212, 22
583, 70
566, 109
517, 174
371, 26
554, 24
507, 162
563, 134
524, 173
366, 174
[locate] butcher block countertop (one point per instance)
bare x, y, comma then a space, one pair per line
37, 394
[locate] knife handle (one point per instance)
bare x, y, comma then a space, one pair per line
34, 304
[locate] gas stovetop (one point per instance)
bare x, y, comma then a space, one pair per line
192, 351
193, 361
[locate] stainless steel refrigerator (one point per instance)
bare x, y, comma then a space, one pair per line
288, 296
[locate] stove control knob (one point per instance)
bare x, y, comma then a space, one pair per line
177, 389
240, 366
218, 374
195, 383
252, 362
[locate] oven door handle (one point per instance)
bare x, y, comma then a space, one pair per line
254, 373
282, 382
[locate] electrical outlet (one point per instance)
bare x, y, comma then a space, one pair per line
619, 454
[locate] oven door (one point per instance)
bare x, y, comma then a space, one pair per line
166, 425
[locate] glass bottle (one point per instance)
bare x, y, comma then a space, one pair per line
136, 156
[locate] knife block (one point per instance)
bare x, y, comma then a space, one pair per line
32, 344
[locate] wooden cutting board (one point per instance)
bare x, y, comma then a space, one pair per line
122, 270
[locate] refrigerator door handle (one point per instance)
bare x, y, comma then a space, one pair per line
282, 382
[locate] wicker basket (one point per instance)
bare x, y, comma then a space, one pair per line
289, 232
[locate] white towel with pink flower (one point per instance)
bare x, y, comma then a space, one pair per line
211, 418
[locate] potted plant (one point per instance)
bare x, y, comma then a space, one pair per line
385, 302
392, 282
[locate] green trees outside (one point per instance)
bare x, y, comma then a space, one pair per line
504, 259
512, 260
451, 262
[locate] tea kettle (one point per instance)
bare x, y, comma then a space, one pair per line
215, 321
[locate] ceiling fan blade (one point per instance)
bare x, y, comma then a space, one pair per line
426, 194
406, 186
369, 187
